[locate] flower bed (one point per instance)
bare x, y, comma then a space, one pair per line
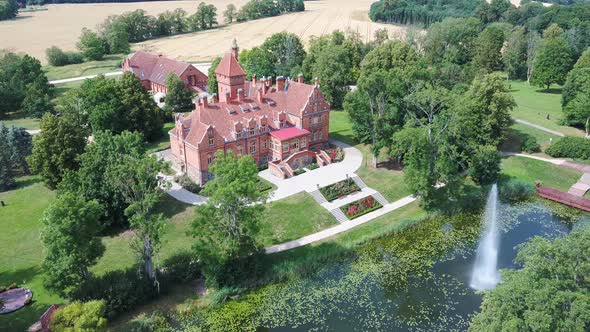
361, 207
339, 189
336, 153
188, 184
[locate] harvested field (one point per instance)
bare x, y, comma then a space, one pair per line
60, 25
320, 17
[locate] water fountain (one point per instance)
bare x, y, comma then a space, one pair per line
485, 274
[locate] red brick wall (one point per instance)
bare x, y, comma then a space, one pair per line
201, 79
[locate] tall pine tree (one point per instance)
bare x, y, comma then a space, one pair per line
6, 175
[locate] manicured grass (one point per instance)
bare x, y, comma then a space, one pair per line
513, 142
389, 182
535, 170
18, 119
534, 104
163, 142
292, 218
61, 89
109, 64
21, 250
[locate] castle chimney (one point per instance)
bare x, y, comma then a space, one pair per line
259, 98
215, 98
254, 79
300, 78
241, 95
280, 83
205, 102
264, 86
235, 49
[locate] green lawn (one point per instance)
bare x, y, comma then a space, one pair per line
534, 104
18, 119
163, 142
535, 170
292, 218
21, 251
513, 143
388, 181
110, 63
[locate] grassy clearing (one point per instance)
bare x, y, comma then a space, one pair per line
110, 63
21, 250
517, 130
534, 105
385, 179
535, 170
18, 119
292, 218
163, 142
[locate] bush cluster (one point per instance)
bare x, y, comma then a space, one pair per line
570, 147
57, 57
255, 9
123, 290
515, 190
529, 144
187, 183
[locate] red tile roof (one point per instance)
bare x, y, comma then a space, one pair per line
229, 66
288, 133
155, 68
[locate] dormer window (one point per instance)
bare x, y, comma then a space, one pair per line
239, 135
252, 131
282, 123
211, 141
263, 129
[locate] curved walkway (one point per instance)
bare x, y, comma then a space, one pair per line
530, 124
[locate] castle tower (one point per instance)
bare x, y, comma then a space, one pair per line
230, 75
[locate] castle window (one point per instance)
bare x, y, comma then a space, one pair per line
316, 120
263, 129
282, 123
285, 146
295, 144
264, 146
251, 132
240, 150
239, 135
252, 147
211, 141
303, 143
209, 159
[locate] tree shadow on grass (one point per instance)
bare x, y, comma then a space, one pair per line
553, 91
21, 319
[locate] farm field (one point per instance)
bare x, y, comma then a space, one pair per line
60, 25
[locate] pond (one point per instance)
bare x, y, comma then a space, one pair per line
416, 280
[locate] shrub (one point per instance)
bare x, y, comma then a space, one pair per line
264, 186
222, 295
187, 183
157, 322
313, 166
57, 57
299, 171
570, 147
515, 190
79, 316
529, 144
182, 267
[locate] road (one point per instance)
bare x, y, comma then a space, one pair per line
204, 67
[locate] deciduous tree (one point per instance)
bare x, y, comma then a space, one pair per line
92, 46
549, 293
225, 228
6, 172
21, 145
230, 13
179, 99
553, 60
70, 239
212, 81
56, 149
285, 51
488, 47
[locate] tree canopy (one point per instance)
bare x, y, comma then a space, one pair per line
549, 293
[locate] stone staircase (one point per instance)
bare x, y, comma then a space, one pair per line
359, 182
317, 195
339, 215
377, 195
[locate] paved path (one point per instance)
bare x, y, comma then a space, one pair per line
342, 227
530, 124
181, 194
321, 177
204, 67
